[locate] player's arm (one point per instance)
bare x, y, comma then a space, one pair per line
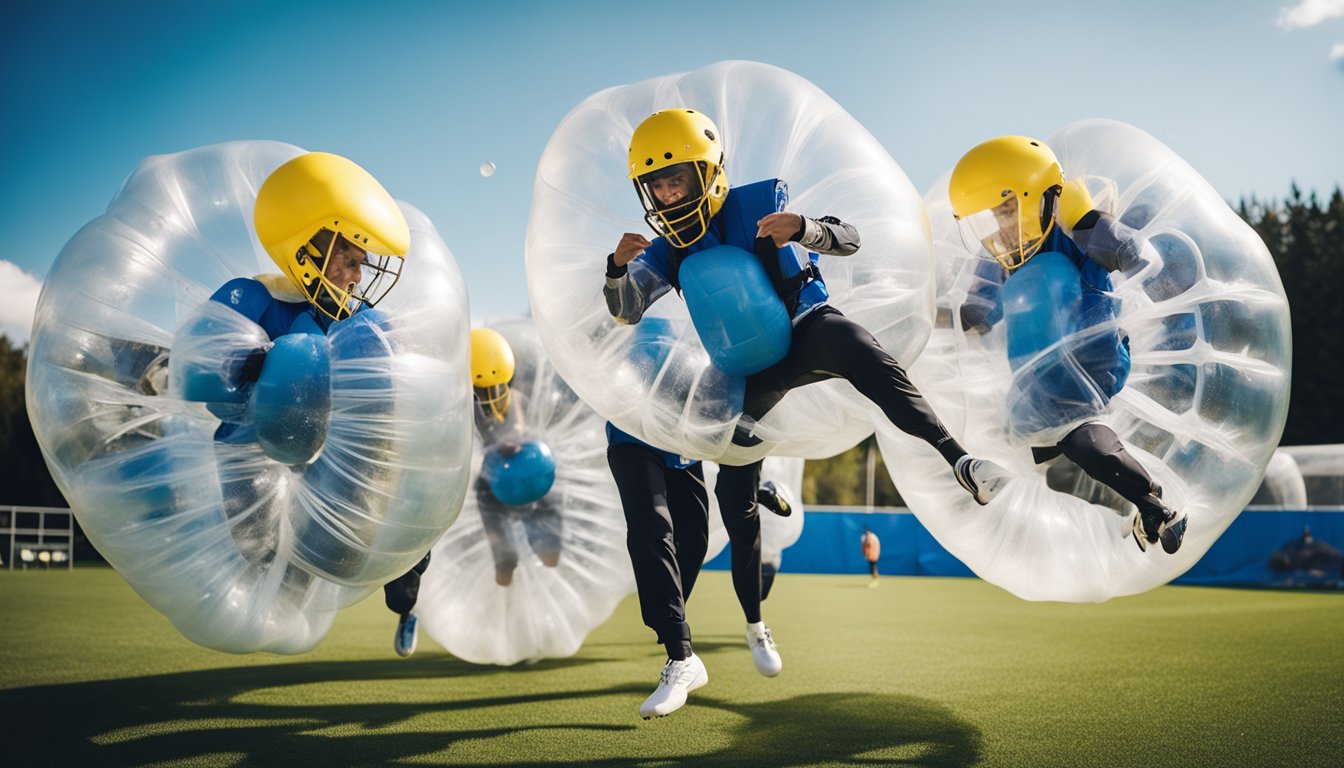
636, 277
828, 235
1106, 241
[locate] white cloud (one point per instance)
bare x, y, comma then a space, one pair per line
1337, 52
19, 302
1309, 13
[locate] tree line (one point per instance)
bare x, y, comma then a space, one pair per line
1305, 235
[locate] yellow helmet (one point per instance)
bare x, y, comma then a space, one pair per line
319, 203
1003, 194
492, 367
679, 147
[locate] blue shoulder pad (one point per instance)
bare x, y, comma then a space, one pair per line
747, 205
246, 296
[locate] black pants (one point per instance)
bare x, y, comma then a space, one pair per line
1098, 451
735, 490
667, 534
828, 345
402, 592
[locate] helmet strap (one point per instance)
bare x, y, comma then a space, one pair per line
1049, 207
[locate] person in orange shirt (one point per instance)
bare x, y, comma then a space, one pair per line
872, 549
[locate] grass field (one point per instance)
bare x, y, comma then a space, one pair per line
918, 672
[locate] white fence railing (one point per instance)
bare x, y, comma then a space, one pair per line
39, 537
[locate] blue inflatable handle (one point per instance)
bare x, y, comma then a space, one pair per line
292, 398
739, 317
522, 478
362, 335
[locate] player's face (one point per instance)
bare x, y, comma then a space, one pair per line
345, 267
1005, 214
672, 189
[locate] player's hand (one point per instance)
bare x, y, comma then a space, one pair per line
779, 227
631, 245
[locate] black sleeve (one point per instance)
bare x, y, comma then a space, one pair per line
1106, 241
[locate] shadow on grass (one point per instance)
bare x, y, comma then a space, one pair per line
198, 718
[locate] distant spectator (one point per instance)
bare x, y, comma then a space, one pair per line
1307, 560
872, 549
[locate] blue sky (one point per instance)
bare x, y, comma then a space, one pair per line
1251, 93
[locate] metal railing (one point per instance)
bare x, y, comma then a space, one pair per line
32, 542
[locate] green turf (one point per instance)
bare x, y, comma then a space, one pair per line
918, 672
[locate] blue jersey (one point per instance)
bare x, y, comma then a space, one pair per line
735, 225
1106, 358
277, 317
671, 460
251, 299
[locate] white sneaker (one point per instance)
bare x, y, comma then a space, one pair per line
763, 650
404, 642
678, 679
981, 478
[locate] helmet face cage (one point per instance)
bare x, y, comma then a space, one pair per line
686, 220
1011, 232
378, 274
494, 400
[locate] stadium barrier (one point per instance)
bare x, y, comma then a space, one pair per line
1262, 547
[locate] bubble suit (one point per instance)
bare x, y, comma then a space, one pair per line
1283, 487
547, 610
777, 533
774, 124
1303, 476
242, 553
1203, 407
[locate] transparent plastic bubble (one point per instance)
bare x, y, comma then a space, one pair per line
774, 124
240, 552
546, 611
1301, 476
777, 533
487, 169
1202, 409
1284, 487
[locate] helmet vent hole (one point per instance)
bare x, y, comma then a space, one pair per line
667, 155
709, 134
649, 161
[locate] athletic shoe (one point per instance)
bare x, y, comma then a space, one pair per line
772, 498
404, 643
1162, 524
1173, 533
981, 478
763, 651
678, 679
